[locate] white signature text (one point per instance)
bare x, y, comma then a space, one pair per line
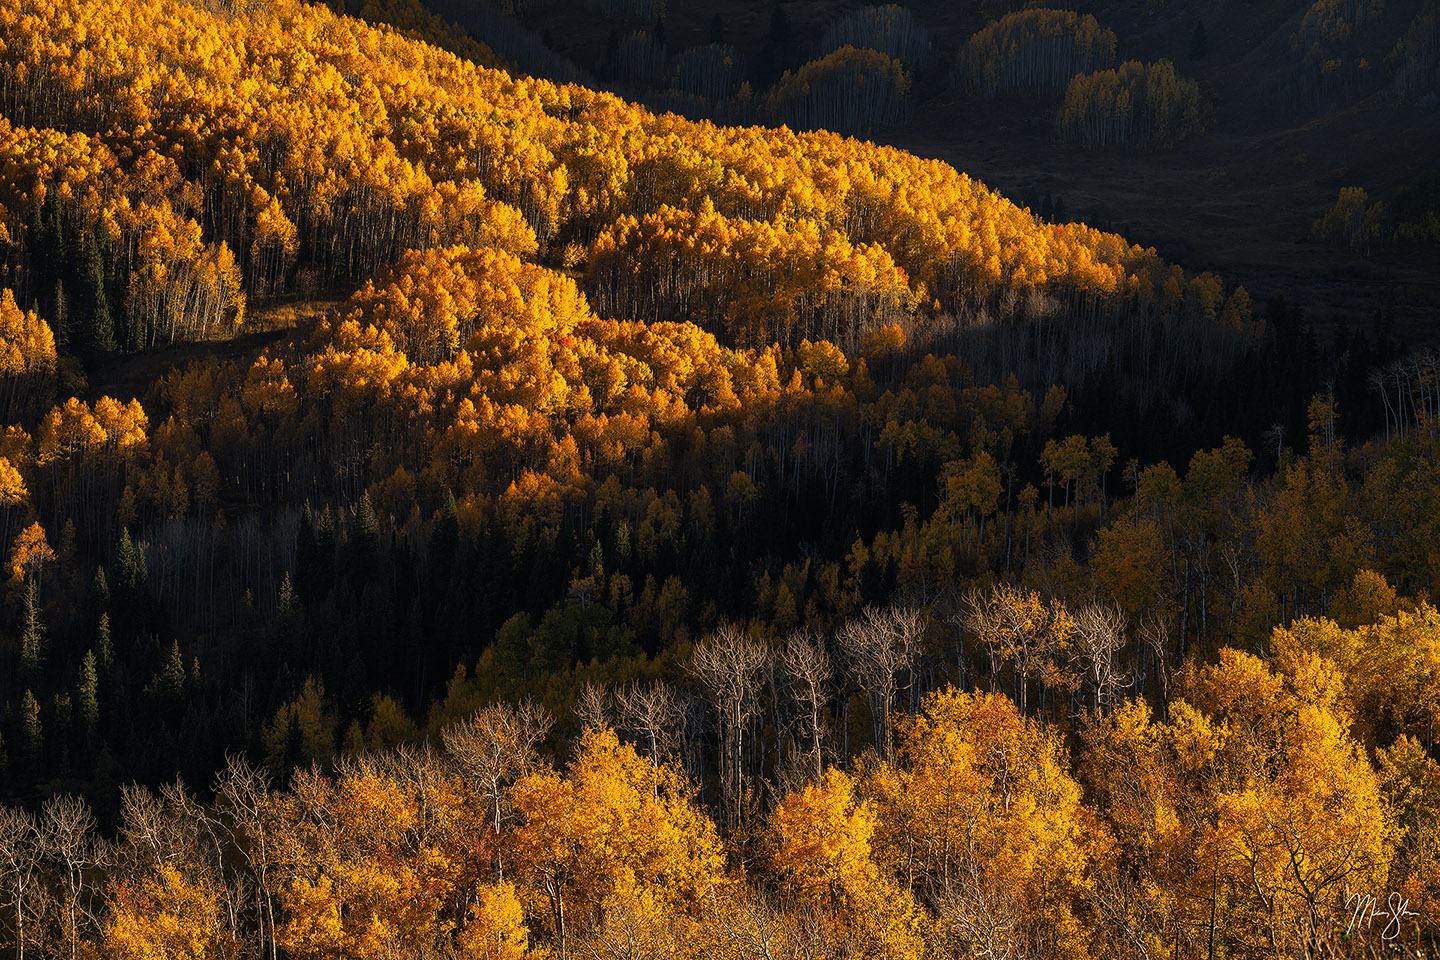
1364, 908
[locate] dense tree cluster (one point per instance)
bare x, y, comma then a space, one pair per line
852, 90
1330, 24
889, 29
1140, 106
1241, 817
715, 71
1352, 222
1416, 57
1416, 210
1033, 52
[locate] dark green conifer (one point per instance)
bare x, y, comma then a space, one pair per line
103, 645
87, 695
1199, 43
101, 328
32, 637
32, 734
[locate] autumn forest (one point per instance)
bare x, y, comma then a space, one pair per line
454, 504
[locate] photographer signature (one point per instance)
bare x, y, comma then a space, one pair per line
1364, 908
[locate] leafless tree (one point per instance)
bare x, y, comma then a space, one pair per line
592, 707
1099, 635
878, 647
67, 836
146, 837
653, 712
1155, 639
244, 792
728, 665
978, 915
494, 748
19, 867
809, 678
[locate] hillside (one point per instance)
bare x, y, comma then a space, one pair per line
1285, 132
453, 512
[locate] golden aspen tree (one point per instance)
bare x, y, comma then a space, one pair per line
980, 815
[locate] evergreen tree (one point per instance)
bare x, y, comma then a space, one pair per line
131, 578
444, 537
323, 575
61, 711
60, 316
293, 754
100, 591
717, 28
87, 696
307, 555
102, 643
285, 601
32, 637
171, 682
364, 541
32, 734
48, 256
131, 573
100, 332
1199, 43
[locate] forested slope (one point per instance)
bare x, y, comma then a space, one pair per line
770, 449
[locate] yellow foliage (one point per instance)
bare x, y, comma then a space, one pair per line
612, 820
495, 929
166, 914
30, 554
825, 841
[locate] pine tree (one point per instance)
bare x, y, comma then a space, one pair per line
131, 577
32, 742
32, 637
717, 28
131, 573
102, 643
323, 576
172, 679
100, 591
100, 336
285, 601
444, 537
293, 754
87, 696
62, 714
60, 316
307, 553
366, 530
1199, 43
